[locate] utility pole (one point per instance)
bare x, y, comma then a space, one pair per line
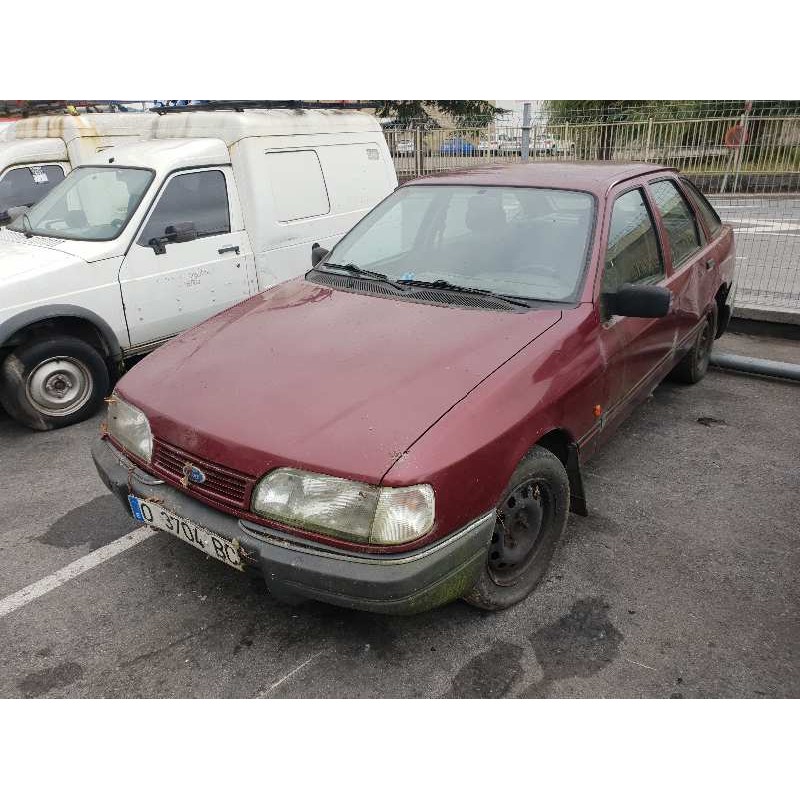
526, 130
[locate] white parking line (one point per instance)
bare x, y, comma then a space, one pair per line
289, 674
47, 584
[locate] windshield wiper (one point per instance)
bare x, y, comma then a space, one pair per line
354, 269
454, 287
29, 232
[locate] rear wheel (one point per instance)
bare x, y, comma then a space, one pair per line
531, 517
694, 365
55, 382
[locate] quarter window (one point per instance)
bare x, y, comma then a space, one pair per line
199, 198
682, 229
632, 254
24, 186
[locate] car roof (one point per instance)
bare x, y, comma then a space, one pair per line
590, 176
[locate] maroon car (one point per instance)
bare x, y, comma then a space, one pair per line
406, 424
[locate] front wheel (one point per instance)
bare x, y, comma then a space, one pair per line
53, 383
531, 517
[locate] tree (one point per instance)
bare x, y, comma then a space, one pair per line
462, 112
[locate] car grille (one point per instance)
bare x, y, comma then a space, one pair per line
221, 484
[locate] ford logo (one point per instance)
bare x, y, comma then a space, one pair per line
193, 474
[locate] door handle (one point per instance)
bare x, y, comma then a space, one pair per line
232, 249
710, 263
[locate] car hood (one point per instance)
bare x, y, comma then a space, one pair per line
321, 379
15, 245
25, 259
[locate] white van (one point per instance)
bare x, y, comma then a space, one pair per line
148, 239
36, 153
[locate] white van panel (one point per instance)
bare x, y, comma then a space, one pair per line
358, 173
297, 185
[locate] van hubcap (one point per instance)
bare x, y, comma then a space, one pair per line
522, 519
59, 386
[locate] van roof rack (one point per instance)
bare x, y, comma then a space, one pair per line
243, 105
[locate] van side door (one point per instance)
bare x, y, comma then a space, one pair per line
190, 259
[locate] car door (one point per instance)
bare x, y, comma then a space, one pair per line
190, 258
634, 348
689, 257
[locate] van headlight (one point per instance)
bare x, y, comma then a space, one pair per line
130, 428
345, 509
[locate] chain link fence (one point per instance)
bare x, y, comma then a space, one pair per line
747, 163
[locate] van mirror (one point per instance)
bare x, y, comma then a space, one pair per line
636, 300
181, 232
317, 254
173, 234
10, 214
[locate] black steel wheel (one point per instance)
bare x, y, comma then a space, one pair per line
694, 365
531, 516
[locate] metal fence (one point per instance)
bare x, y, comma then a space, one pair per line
747, 164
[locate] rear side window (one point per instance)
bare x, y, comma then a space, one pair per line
678, 218
710, 217
199, 198
632, 254
297, 185
24, 186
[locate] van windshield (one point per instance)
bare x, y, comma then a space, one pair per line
91, 204
521, 242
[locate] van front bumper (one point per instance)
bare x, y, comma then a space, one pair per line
296, 569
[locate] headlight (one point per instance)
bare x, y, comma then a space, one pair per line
345, 509
130, 428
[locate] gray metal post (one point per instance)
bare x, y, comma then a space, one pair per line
526, 131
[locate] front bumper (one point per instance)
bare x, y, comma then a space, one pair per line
294, 568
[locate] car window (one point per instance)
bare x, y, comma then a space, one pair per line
523, 242
632, 253
199, 198
682, 228
92, 204
24, 186
711, 218
393, 231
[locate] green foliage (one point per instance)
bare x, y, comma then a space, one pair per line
462, 112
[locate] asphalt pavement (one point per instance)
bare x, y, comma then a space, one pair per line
682, 582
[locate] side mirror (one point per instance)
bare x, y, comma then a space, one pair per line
317, 254
181, 232
10, 214
173, 234
636, 300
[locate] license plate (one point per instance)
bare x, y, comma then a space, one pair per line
203, 539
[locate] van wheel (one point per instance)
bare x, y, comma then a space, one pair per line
52, 383
694, 365
531, 517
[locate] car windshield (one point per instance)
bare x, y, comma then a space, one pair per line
528, 243
91, 204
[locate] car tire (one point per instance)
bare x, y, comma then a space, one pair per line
693, 366
54, 382
531, 517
